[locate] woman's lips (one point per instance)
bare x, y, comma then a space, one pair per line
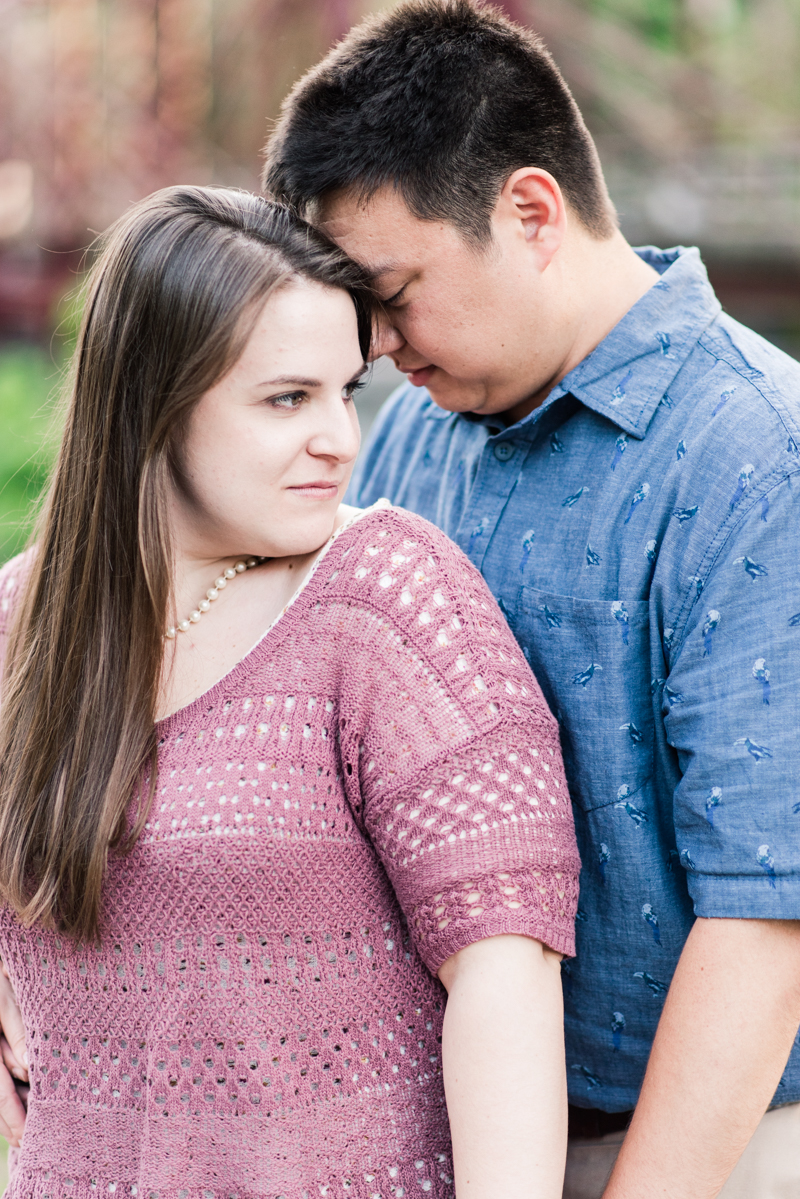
316, 491
421, 376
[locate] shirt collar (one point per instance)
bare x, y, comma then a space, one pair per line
627, 374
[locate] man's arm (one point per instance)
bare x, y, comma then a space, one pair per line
14, 1064
725, 1034
504, 1071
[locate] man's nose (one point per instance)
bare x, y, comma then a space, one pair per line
386, 339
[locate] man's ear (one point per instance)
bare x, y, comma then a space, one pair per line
533, 202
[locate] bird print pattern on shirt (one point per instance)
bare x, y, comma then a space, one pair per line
767, 863
478, 531
527, 546
681, 450
764, 508
713, 800
650, 917
665, 341
754, 569
639, 496
572, 500
636, 814
603, 858
650, 550
620, 391
635, 735
591, 1079
759, 752
745, 475
709, 628
655, 986
723, 399
620, 446
620, 614
684, 514
592, 559
551, 619
617, 1029
584, 677
761, 675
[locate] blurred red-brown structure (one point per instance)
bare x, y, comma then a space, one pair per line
693, 104
103, 101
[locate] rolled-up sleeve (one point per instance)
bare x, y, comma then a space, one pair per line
732, 713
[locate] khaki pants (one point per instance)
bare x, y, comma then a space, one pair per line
769, 1168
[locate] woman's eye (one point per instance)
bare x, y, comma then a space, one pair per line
291, 400
351, 388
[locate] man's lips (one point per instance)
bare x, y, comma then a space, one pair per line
320, 489
421, 376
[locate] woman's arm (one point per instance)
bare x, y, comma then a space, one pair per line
13, 1063
504, 1070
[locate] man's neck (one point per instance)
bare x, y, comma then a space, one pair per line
601, 282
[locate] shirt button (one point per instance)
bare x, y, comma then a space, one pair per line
503, 451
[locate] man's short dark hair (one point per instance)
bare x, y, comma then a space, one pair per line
443, 99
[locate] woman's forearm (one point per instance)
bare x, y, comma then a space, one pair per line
504, 1072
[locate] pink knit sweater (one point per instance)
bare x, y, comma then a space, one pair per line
376, 785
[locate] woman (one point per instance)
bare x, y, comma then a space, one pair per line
268, 766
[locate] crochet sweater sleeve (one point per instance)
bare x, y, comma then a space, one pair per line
450, 756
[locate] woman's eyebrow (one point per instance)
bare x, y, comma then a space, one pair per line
288, 380
302, 381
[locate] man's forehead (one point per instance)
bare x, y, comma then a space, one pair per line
380, 232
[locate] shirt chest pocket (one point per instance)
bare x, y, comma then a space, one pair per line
592, 661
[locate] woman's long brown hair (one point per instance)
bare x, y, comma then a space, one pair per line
169, 306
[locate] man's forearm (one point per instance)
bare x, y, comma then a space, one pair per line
726, 1032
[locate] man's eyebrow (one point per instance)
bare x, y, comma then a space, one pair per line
383, 268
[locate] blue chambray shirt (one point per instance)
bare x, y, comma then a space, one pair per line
641, 531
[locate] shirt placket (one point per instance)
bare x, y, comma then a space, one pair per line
498, 470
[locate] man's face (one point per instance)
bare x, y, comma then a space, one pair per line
474, 326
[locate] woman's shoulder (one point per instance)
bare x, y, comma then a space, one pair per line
390, 530
401, 565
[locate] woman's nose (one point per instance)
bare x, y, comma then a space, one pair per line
339, 437
386, 339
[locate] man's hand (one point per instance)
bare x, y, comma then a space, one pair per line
725, 1035
14, 1065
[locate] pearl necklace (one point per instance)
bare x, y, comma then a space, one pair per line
183, 626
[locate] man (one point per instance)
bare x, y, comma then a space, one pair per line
620, 459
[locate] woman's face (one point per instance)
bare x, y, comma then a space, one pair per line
269, 450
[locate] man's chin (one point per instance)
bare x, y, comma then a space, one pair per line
455, 396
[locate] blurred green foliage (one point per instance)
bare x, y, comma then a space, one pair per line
29, 381
657, 21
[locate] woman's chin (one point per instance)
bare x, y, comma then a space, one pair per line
300, 536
